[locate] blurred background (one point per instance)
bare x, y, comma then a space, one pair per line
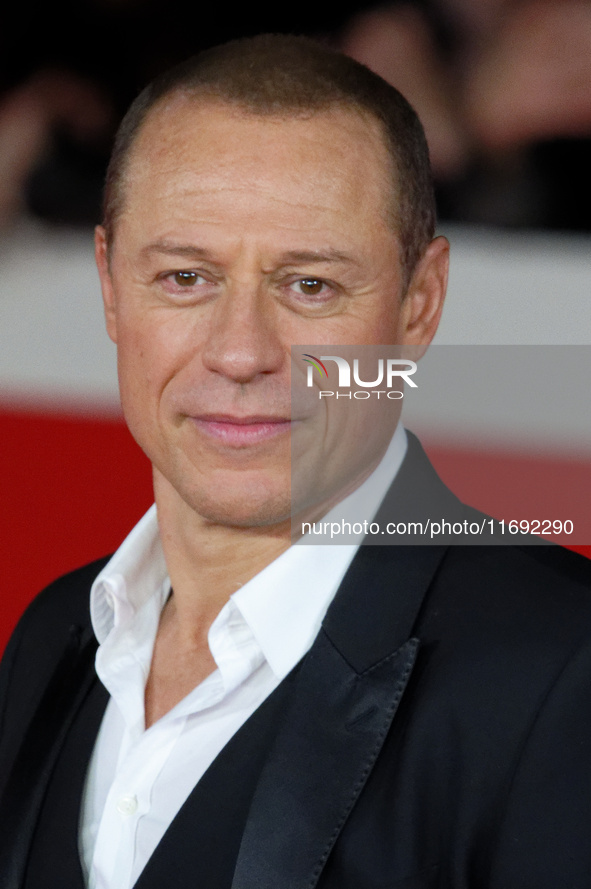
504, 91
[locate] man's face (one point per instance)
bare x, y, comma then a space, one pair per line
241, 236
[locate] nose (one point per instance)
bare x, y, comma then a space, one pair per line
243, 341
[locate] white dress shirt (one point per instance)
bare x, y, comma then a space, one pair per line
138, 779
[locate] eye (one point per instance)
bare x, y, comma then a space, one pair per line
309, 286
186, 279
186, 286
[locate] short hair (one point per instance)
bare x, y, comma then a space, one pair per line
288, 75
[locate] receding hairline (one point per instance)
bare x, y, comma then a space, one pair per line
286, 76
205, 99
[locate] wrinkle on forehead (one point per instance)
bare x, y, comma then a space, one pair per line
182, 151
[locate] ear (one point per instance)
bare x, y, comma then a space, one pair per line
102, 264
423, 302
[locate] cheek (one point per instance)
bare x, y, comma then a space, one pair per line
150, 343
364, 328
373, 319
142, 366
159, 362
142, 378
385, 321
134, 350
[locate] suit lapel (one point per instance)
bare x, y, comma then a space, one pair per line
344, 701
26, 788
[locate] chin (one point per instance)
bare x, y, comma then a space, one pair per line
245, 509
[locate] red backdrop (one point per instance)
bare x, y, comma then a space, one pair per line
71, 489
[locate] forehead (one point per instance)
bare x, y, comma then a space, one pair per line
333, 161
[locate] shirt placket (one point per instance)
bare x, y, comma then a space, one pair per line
128, 800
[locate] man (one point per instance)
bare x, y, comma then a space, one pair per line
268, 715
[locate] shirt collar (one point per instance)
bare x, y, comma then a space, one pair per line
133, 575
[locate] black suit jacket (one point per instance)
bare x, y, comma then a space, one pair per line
437, 734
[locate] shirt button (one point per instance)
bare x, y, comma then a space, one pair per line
127, 805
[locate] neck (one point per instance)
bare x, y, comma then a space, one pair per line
207, 562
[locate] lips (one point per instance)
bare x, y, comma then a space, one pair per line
242, 431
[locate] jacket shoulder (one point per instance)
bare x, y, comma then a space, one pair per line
508, 618
64, 601
542, 583
40, 639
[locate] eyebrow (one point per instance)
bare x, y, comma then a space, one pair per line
192, 251
329, 255
169, 248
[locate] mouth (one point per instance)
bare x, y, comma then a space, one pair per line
239, 432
